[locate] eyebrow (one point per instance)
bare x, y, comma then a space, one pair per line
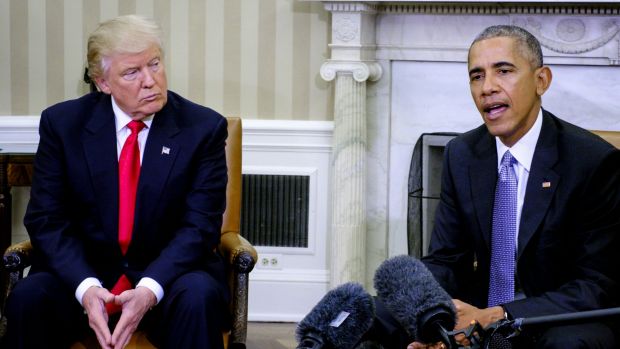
495, 65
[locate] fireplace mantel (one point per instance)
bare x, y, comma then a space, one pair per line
409, 60
575, 33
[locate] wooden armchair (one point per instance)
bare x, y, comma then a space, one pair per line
612, 137
237, 251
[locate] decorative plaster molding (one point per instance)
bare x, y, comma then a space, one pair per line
345, 29
358, 7
617, 60
571, 29
501, 9
361, 71
534, 27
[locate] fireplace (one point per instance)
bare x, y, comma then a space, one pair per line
400, 71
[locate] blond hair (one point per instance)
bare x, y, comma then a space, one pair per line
124, 34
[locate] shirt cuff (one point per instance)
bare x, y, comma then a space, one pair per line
152, 285
85, 285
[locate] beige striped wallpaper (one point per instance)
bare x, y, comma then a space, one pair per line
253, 58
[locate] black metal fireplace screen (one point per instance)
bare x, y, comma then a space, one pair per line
424, 188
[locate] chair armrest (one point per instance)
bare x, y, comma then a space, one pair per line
17, 257
238, 252
240, 257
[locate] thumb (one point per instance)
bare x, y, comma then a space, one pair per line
122, 298
109, 297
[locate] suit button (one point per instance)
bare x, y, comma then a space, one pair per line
125, 264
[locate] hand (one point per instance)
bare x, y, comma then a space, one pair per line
418, 345
135, 304
466, 314
93, 301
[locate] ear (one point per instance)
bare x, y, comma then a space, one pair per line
103, 85
543, 79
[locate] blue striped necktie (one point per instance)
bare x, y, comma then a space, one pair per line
502, 279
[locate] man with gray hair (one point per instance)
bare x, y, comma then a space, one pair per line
529, 215
126, 208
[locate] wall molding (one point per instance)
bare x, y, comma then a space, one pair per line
287, 136
19, 134
501, 9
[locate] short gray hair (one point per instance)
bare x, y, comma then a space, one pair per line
528, 44
124, 34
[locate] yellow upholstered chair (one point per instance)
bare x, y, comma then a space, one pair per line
238, 253
612, 137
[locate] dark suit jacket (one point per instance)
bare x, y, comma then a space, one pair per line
72, 216
569, 236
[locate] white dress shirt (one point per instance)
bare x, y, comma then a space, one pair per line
523, 152
122, 133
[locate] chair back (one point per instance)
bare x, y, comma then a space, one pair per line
232, 215
612, 137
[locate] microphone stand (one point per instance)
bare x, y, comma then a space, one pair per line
480, 338
521, 324
474, 334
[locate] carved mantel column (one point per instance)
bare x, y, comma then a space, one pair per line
351, 65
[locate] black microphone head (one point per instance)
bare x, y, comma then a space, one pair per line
498, 335
339, 320
415, 299
497, 341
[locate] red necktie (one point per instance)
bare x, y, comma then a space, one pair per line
128, 174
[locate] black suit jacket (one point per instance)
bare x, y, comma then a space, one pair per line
72, 216
569, 236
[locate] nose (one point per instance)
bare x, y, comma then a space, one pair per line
489, 85
147, 78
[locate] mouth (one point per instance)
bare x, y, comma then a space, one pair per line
495, 110
151, 97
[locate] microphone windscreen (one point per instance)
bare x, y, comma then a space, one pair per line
340, 318
498, 341
413, 296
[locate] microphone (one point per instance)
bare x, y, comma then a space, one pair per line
339, 320
415, 299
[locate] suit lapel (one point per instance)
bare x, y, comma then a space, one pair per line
99, 143
483, 175
160, 153
542, 183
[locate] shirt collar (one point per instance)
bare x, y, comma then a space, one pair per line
524, 149
122, 119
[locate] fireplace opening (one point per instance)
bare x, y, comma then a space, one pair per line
424, 187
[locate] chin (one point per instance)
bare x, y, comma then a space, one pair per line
496, 130
154, 107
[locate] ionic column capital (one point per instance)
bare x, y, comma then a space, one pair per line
361, 70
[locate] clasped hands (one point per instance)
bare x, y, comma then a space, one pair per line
135, 303
466, 315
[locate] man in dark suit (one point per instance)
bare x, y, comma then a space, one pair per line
126, 208
561, 252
